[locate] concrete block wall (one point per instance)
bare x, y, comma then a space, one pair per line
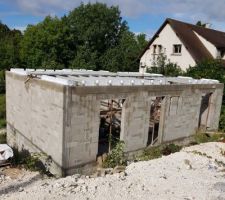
63, 121
181, 115
35, 116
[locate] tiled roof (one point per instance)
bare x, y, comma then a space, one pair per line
186, 33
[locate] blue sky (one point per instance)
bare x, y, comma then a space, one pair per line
143, 16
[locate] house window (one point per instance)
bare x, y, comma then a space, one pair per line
160, 49
177, 48
154, 48
218, 56
157, 49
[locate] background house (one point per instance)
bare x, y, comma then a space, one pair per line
184, 44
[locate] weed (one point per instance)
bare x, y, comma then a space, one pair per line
150, 153
116, 156
171, 148
201, 154
31, 161
220, 163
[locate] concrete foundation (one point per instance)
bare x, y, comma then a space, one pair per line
62, 120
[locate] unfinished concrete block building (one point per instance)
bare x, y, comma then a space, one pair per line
70, 114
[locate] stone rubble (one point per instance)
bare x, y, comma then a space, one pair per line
184, 175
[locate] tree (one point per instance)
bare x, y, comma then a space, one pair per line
164, 67
141, 41
85, 58
48, 44
199, 23
92, 36
124, 56
2, 82
98, 28
211, 69
9, 47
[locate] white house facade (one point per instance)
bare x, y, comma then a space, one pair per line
183, 44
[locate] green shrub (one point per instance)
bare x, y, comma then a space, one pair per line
3, 138
116, 156
2, 123
150, 153
212, 69
163, 66
222, 119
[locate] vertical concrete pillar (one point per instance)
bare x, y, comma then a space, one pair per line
214, 110
81, 135
135, 122
163, 113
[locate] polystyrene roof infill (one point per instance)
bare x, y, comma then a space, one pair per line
58, 80
105, 78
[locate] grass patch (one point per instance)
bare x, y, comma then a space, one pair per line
158, 152
3, 138
204, 137
116, 157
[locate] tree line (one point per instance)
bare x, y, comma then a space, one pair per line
92, 36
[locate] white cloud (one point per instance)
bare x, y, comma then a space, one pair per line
21, 28
193, 10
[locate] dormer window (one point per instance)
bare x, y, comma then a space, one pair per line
177, 48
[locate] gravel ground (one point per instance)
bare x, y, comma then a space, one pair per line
190, 174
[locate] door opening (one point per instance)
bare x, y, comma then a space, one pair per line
204, 111
155, 111
110, 124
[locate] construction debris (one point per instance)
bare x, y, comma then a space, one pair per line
6, 152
